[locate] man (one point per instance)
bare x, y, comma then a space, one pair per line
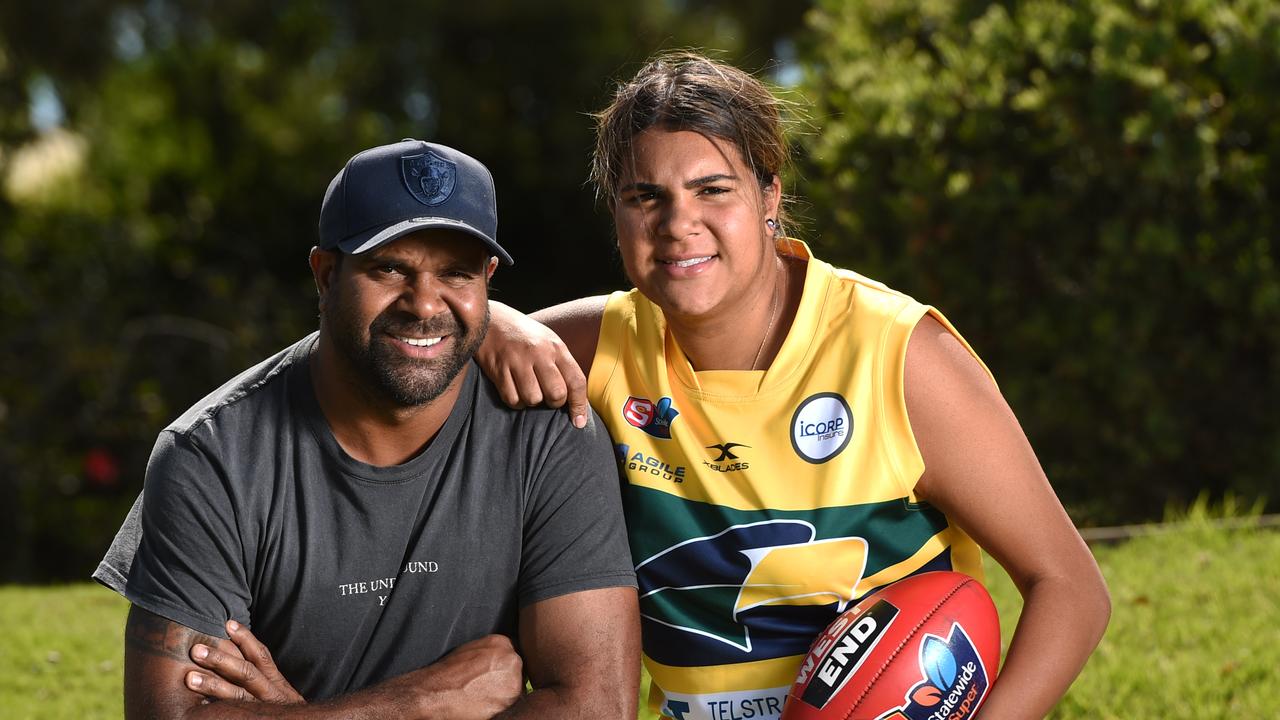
365, 502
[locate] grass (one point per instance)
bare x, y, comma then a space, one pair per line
63, 652
1195, 628
1195, 633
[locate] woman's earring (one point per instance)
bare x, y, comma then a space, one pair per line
773, 226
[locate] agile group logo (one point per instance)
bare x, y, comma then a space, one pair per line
751, 592
955, 680
821, 427
639, 462
653, 419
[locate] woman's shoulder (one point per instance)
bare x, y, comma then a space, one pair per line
868, 298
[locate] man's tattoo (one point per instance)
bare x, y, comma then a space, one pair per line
149, 633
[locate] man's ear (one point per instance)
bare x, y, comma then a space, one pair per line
493, 265
324, 267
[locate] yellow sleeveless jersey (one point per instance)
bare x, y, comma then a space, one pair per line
760, 504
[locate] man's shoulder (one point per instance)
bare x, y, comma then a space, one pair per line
534, 425
264, 382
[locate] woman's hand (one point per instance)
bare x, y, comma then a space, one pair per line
531, 365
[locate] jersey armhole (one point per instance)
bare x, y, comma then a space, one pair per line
899, 439
608, 348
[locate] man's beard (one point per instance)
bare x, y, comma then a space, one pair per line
405, 381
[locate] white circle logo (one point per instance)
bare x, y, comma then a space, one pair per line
821, 427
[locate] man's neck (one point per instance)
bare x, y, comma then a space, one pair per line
366, 425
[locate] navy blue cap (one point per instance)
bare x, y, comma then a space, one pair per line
393, 190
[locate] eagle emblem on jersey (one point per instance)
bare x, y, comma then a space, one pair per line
428, 177
653, 418
751, 592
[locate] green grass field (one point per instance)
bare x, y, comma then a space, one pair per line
1195, 633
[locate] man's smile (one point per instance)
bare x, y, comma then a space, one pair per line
419, 342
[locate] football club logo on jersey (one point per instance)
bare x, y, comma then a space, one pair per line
955, 680
821, 427
653, 419
429, 177
751, 592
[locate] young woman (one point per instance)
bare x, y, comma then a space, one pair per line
793, 435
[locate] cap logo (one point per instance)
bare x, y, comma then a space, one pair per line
429, 177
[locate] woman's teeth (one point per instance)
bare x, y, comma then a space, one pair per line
690, 262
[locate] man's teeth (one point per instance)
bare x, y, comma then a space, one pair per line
691, 261
420, 342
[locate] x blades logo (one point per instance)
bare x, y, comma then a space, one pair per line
653, 419
726, 450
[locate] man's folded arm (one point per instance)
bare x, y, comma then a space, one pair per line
582, 654
477, 680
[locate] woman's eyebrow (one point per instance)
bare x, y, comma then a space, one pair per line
708, 179
688, 185
642, 186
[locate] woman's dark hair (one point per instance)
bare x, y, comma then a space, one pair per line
684, 90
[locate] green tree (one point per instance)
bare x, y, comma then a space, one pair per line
161, 170
1091, 190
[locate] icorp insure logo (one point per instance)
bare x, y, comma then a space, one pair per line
821, 427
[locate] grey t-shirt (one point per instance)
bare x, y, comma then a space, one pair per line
350, 573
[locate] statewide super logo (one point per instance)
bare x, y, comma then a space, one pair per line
653, 419
954, 683
750, 592
821, 427
429, 177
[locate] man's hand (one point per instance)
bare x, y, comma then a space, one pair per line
252, 676
476, 681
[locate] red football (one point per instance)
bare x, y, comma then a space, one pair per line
924, 648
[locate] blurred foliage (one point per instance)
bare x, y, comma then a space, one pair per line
161, 170
1090, 189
